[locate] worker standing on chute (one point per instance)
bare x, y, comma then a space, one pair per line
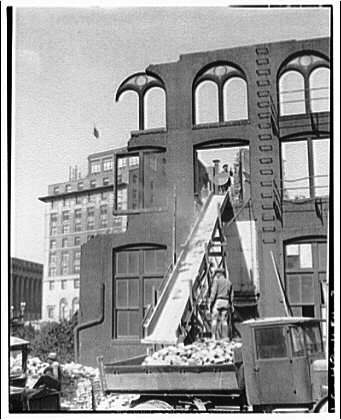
221, 305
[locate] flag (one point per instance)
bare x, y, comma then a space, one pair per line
96, 132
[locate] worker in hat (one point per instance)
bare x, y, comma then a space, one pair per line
220, 303
228, 173
55, 366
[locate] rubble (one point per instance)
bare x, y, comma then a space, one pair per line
199, 353
81, 388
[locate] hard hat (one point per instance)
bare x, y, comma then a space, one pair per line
221, 179
52, 356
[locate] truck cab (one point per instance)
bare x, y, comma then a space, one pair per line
284, 362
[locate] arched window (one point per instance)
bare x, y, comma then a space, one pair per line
219, 94
291, 93
129, 111
303, 85
155, 108
206, 101
151, 92
235, 99
319, 89
63, 309
75, 305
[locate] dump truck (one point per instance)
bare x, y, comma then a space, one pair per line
280, 366
21, 398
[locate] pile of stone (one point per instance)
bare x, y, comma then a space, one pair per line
199, 353
81, 388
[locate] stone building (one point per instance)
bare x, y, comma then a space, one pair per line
76, 210
26, 280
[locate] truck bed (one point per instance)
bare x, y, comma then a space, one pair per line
170, 379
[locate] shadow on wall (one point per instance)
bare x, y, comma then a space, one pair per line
243, 267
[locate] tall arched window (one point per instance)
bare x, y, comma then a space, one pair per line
303, 85
235, 99
155, 108
291, 93
63, 309
219, 94
129, 110
75, 305
206, 100
319, 89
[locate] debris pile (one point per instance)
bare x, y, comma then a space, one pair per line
81, 388
199, 353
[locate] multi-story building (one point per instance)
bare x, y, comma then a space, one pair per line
77, 210
26, 280
271, 100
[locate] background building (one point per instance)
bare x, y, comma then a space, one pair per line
26, 282
272, 99
77, 210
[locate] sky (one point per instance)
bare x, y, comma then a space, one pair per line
68, 65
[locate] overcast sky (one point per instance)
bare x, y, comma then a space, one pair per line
69, 63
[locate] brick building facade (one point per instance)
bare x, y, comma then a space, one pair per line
271, 100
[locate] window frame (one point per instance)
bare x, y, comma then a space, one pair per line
78, 225
141, 275
105, 161
208, 74
311, 170
315, 271
95, 164
285, 336
50, 311
305, 71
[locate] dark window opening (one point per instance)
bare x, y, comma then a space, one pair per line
141, 181
218, 170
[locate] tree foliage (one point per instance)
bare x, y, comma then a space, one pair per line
55, 337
